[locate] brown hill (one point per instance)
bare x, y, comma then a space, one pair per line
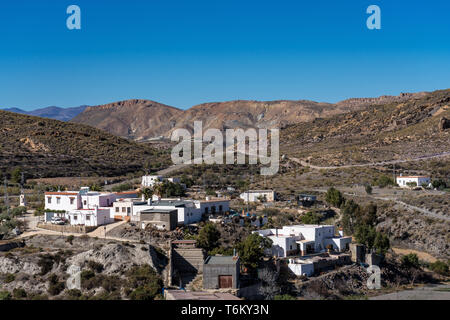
397, 130
45, 148
134, 119
144, 119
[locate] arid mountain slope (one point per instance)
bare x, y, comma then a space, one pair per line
396, 130
134, 119
144, 119
48, 148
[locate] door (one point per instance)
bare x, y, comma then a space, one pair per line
225, 282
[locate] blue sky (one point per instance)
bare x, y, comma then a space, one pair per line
182, 52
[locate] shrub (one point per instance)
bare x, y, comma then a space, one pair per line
410, 261
5, 295
368, 189
70, 239
19, 293
146, 281
439, 267
73, 294
55, 287
10, 277
45, 263
284, 297
95, 266
310, 218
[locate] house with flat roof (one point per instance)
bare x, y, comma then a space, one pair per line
258, 195
304, 240
162, 219
412, 181
221, 272
83, 207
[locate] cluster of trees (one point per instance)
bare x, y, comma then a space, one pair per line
169, 189
359, 221
250, 250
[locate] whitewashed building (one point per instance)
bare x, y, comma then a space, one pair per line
189, 211
84, 207
303, 240
258, 195
150, 181
406, 181
89, 217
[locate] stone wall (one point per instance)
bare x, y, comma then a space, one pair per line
64, 228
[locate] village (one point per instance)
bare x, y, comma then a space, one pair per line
267, 256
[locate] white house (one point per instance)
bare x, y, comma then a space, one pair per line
150, 181
406, 181
189, 211
256, 195
303, 240
85, 207
89, 217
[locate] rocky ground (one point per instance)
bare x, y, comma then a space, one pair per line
40, 269
351, 281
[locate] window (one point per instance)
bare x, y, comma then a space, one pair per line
117, 209
88, 218
72, 200
75, 217
58, 200
49, 199
206, 210
123, 209
220, 208
85, 202
128, 210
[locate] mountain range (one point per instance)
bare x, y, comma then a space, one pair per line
141, 120
57, 113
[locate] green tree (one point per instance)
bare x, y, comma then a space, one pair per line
384, 181
251, 250
147, 192
310, 218
368, 189
334, 197
410, 261
208, 237
381, 243
16, 175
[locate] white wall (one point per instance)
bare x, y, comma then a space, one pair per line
300, 269
64, 202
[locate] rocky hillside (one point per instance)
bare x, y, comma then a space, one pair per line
109, 270
48, 148
134, 119
397, 130
144, 119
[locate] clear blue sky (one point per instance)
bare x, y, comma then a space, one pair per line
185, 52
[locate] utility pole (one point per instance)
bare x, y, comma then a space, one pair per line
6, 196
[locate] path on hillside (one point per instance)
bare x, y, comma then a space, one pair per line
424, 211
373, 164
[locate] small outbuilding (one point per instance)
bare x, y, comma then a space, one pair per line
221, 272
159, 218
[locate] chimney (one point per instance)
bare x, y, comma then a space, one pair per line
149, 201
143, 197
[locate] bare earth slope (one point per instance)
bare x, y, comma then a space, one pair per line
134, 119
396, 130
45, 148
144, 119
